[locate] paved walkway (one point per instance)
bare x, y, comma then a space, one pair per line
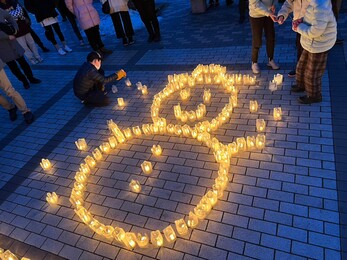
287, 201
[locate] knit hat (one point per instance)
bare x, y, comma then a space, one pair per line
94, 55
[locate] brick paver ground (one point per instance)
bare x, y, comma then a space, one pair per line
287, 201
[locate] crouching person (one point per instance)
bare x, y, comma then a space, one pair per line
17, 99
89, 81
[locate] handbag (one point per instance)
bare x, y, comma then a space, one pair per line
131, 5
7, 28
106, 9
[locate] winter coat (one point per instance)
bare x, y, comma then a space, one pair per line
88, 78
85, 13
298, 7
17, 12
318, 30
9, 49
42, 9
260, 8
2, 64
118, 6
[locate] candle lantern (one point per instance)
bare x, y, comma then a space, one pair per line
199, 113
260, 125
170, 128
108, 232
97, 154
277, 113
84, 215
169, 234
46, 164
191, 116
208, 79
178, 130
191, 82
76, 202
193, 220
181, 227
177, 111
253, 106
52, 198
260, 141
200, 211
105, 147
139, 85
205, 203
142, 240
90, 161
194, 133
81, 177
278, 79
184, 116
81, 144
156, 150
272, 85
233, 100
251, 142
241, 143
207, 96
222, 181
156, 238
113, 142
146, 129
146, 167
135, 186
233, 148
218, 190
129, 240
212, 197
118, 234
128, 133
186, 130
120, 102
79, 186
8, 255
84, 168
127, 82
144, 90
185, 94
137, 130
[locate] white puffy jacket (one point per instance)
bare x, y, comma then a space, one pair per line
298, 7
118, 6
260, 8
318, 31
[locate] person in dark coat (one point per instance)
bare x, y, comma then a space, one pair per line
89, 81
12, 53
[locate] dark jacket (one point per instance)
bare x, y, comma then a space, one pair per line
42, 9
88, 78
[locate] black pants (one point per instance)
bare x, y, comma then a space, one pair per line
258, 25
36, 38
243, 4
122, 24
299, 48
50, 34
146, 9
96, 98
18, 73
94, 38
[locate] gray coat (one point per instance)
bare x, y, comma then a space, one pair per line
9, 49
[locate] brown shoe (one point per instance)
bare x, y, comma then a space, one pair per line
309, 100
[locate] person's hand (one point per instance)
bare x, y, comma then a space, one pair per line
296, 23
280, 19
273, 9
11, 37
121, 74
273, 18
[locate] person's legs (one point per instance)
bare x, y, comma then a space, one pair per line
32, 46
50, 35
242, 10
117, 24
28, 53
128, 26
13, 66
38, 40
141, 8
94, 38
269, 30
27, 70
57, 29
300, 72
257, 25
72, 20
152, 16
96, 98
7, 87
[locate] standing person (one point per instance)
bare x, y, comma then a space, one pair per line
318, 36
89, 81
89, 21
23, 35
336, 9
121, 21
146, 9
19, 103
11, 52
46, 15
298, 7
262, 18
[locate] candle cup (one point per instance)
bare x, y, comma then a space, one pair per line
185, 94
8, 255
120, 102
52, 198
144, 90
146, 129
272, 85
113, 142
147, 167
127, 82
177, 111
207, 96
260, 141
118, 234
81, 177
156, 238
218, 190
135, 186
169, 234
186, 130
253, 106
139, 85
193, 220
129, 240
251, 144
105, 147
241, 143
156, 150
84, 168
128, 133
81, 144
90, 161
212, 197
277, 113
97, 154
233, 148
46, 164
260, 125
181, 227
137, 131
142, 240
200, 211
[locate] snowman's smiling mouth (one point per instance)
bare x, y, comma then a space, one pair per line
201, 131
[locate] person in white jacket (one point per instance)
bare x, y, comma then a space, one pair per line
318, 35
121, 21
298, 7
262, 18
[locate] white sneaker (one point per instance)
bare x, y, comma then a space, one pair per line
61, 51
255, 68
67, 48
273, 65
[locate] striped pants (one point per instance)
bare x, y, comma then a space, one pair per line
309, 72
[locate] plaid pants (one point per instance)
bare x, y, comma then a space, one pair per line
309, 72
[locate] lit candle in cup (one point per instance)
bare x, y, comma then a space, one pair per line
193, 220
120, 102
135, 186
90, 161
185, 94
81, 144
144, 90
277, 113
137, 130
52, 198
105, 147
156, 150
46, 164
181, 227
251, 142
127, 82
260, 125
142, 240
113, 142
156, 238
129, 240
169, 234
118, 234
207, 96
253, 106
241, 143
146, 167
260, 141
97, 154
